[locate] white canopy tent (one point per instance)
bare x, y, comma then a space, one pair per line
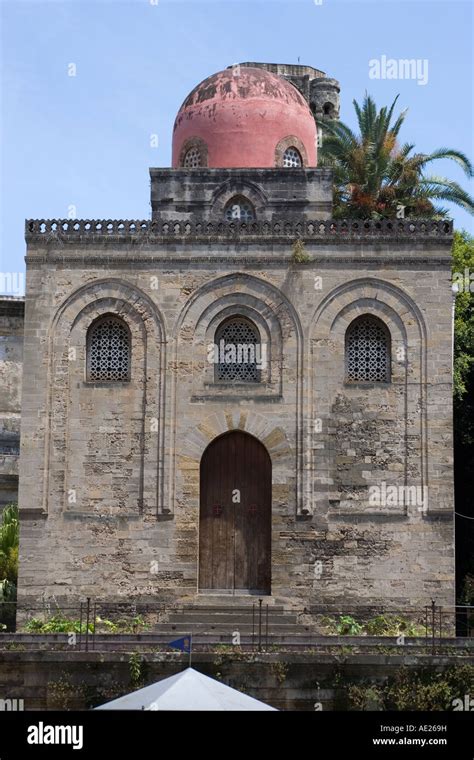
188, 690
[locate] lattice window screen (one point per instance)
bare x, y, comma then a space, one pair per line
108, 351
243, 336
368, 351
292, 158
239, 209
192, 158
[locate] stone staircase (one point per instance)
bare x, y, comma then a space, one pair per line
218, 622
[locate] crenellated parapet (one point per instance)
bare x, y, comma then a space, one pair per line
93, 230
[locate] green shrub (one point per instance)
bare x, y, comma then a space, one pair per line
365, 697
135, 665
414, 690
392, 625
299, 253
60, 624
57, 624
348, 626
380, 625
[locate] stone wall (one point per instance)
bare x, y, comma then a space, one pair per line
48, 680
11, 358
329, 441
180, 194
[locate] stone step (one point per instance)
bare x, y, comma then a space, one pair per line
237, 618
230, 609
244, 601
231, 602
230, 605
245, 627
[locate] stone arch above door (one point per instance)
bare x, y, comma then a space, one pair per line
272, 437
192, 398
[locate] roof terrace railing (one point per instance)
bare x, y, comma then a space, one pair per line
74, 230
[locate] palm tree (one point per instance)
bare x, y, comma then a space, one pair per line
9, 539
374, 177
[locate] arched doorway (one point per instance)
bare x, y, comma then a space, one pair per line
235, 515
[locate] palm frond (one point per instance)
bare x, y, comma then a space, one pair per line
372, 174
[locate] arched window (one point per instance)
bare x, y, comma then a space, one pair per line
108, 350
192, 158
290, 152
367, 351
239, 209
238, 351
292, 157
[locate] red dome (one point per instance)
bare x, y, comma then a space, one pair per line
243, 117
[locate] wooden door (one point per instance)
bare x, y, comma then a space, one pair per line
235, 515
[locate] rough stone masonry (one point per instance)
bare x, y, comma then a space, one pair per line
110, 471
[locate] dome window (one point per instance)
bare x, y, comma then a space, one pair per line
292, 158
239, 209
192, 158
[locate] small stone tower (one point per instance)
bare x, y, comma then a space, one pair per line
320, 91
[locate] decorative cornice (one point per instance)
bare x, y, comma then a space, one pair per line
146, 256
59, 231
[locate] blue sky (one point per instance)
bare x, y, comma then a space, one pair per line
84, 141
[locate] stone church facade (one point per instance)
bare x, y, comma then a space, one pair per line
240, 395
